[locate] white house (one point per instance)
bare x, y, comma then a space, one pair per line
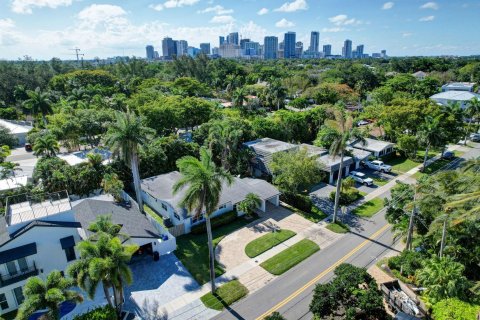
18, 128
378, 148
38, 234
463, 98
458, 86
157, 192
419, 75
13, 182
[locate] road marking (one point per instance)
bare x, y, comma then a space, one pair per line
324, 273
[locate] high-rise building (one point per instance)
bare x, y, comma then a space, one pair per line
168, 47
289, 45
251, 48
157, 56
327, 50
384, 53
232, 38
298, 49
150, 52
193, 52
205, 48
359, 50
181, 47
314, 42
221, 40
270, 47
242, 43
230, 50
347, 49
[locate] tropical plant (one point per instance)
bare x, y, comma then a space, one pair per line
113, 185
104, 224
48, 294
202, 183
430, 134
238, 97
125, 137
104, 261
443, 278
251, 202
46, 146
224, 136
4, 152
472, 111
39, 102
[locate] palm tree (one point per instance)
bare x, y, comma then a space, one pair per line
104, 261
113, 185
125, 137
251, 202
39, 102
430, 134
104, 224
277, 93
238, 97
226, 136
472, 111
202, 183
346, 132
46, 146
48, 295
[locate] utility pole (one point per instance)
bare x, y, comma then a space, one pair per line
410, 224
78, 55
444, 236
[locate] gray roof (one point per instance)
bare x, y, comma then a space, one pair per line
359, 154
268, 145
133, 222
160, 187
372, 145
314, 150
455, 95
331, 163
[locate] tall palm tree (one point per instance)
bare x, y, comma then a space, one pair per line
46, 146
39, 102
125, 137
238, 97
277, 93
49, 294
472, 111
225, 136
104, 261
430, 134
345, 132
202, 183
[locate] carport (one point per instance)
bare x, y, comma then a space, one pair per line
358, 156
331, 165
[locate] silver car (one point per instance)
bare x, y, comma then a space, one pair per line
361, 178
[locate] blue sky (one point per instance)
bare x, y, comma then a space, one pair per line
49, 28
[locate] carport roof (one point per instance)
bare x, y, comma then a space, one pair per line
332, 163
359, 154
372, 145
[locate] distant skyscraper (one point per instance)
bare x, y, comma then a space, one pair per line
347, 49
232, 38
150, 53
157, 56
289, 43
221, 40
181, 47
298, 49
193, 52
168, 47
384, 53
314, 41
327, 50
359, 50
251, 48
205, 48
270, 47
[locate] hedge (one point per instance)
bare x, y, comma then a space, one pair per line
298, 201
217, 221
347, 197
101, 313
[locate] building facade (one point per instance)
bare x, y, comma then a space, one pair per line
347, 49
150, 52
270, 47
314, 42
168, 48
205, 48
327, 50
289, 44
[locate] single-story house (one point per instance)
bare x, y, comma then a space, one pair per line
264, 150
461, 97
331, 164
378, 148
19, 129
157, 192
459, 86
419, 75
12, 183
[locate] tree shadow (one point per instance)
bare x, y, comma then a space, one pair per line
228, 308
375, 241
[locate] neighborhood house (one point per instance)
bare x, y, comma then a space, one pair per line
376, 147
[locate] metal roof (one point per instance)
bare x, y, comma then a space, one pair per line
455, 95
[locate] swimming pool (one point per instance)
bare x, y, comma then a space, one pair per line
65, 308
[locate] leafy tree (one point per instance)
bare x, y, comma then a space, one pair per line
39, 102
443, 279
7, 138
203, 182
472, 111
4, 152
113, 185
48, 294
288, 170
454, 308
46, 146
239, 97
275, 316
430, 134
189, 87
251, 202
126, 136
326, 136
408, 145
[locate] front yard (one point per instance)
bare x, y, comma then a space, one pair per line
403, 164
225, 295
369, 208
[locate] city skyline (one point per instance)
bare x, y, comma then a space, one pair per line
110, 28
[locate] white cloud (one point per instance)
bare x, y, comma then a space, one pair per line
407, 34
388, 5
284, 23
95, 14
219, 10
262, 11
26, 6
334, 29
343, 20
430, 5
427, 18
293, 6
8, 35
169, 4
222, 19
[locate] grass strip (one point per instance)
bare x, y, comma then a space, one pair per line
337, 227
369, 208
266, 242
225, 295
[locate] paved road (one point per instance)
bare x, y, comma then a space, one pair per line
291, 293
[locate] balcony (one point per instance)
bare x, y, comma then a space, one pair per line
6, 279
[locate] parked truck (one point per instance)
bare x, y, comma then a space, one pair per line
377, 165
401, 302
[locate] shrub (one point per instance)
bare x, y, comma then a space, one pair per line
408, 261
455, 309
101, 313
298, 201
275, 316
218, 221
346, 197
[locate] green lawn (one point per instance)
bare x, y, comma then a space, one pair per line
266, 242
369, 208
435, 166
315, 216
225, 295
337, 227
153, 214
290, 257
402, 164
379, 181
192, 250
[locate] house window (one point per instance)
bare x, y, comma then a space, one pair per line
164, 207
12, 268
22, 263
18, 293
70, 253
3, 301
176, 216
222, 207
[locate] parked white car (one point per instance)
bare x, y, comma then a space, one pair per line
361, 178
378, 166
